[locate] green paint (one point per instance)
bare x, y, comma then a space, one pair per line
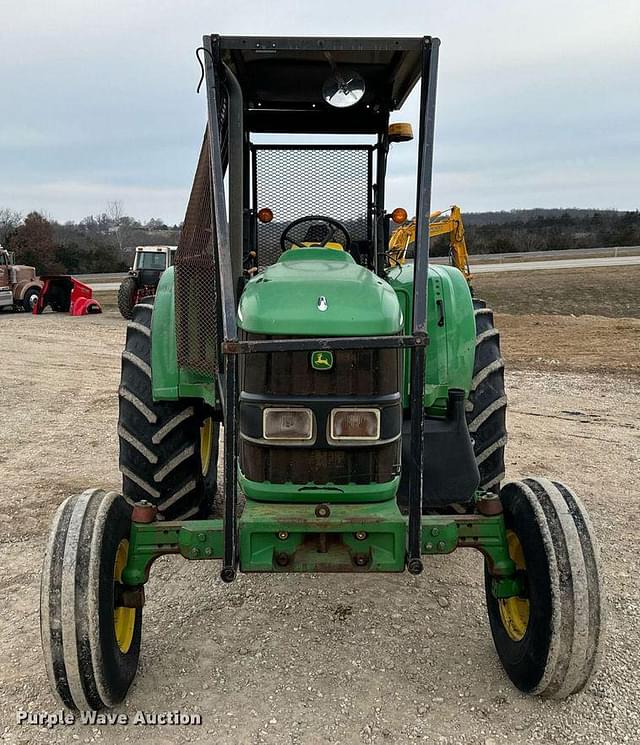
451, 329
507, 587
169, 381
298, 493
285, 298
442, 534
352, 538
195, 539
373, 534
322, 360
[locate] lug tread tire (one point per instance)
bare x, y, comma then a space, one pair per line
85, 667
487, 404
160, 440
562, 647
126, 297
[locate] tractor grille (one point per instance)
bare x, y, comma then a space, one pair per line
365, 373
279, 465
358, 372
297, 181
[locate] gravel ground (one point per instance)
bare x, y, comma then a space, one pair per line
310, 659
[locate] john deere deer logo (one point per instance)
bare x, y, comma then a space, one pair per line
321, 360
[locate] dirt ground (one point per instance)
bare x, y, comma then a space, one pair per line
332, 658
613, 292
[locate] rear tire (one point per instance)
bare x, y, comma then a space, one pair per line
127, 297
550, 640
487, 404
161, 455
91, 645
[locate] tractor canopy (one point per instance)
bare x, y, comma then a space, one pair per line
257, 179
312, 85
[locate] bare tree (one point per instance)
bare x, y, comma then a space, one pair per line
9, 221
116, 213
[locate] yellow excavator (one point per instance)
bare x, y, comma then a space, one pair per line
441, 222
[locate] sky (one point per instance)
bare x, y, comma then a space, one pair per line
538, 102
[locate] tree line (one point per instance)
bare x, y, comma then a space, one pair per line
97, 243
105, 242
550, 230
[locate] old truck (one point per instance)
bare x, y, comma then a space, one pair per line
19, 286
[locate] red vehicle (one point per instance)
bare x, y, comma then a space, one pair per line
66, 294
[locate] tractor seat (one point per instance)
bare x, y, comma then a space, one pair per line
317, 233
311, 244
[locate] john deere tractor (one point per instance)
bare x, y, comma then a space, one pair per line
361, 400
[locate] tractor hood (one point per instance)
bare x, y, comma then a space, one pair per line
318, 292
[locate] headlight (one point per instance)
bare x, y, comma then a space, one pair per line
355, 424
287, 424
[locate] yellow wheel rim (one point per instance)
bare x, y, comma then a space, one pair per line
206, 443
124, 619
514, 611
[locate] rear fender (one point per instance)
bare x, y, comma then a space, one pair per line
451, 329
85, 306
169, 381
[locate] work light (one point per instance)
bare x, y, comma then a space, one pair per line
355, 424
287, 424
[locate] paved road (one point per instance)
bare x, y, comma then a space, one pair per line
515, 266
521, 266
571, 253
104, 286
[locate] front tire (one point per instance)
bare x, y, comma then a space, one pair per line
165, 457
549, 640
91, 644
30, 300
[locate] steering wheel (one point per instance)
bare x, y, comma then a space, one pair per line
320, 230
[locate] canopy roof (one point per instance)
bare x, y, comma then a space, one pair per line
282, 80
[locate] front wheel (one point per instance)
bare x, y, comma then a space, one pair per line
30, 300
549, 640
90, 641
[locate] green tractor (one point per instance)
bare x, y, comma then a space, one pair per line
361, 401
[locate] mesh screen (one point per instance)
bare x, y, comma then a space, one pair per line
195, 277
295, 182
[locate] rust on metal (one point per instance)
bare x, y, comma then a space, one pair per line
144, 512
489, 506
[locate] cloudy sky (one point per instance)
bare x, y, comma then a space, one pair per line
538, 102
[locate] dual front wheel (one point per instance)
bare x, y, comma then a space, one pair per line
549, 639
90, 640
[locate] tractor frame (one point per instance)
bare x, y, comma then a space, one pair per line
188, 347
220, 140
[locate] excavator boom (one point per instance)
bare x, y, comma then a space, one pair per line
451, 224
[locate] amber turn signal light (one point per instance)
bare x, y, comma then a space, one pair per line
399, 215
265, 215
400, 132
